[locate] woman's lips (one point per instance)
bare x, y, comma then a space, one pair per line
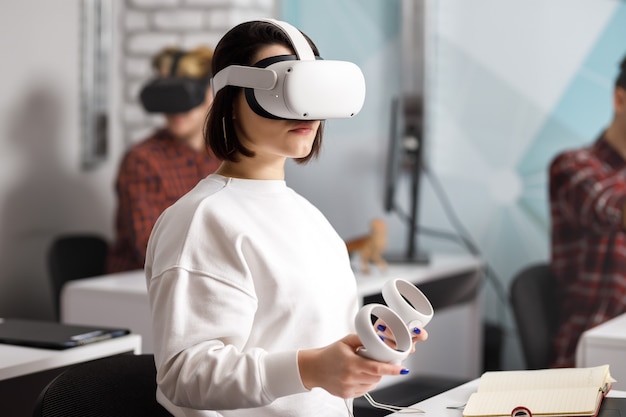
302, 127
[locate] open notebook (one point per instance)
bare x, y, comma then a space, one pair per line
53, 335
545, 392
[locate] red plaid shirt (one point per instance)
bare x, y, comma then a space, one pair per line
587, 197
153, 174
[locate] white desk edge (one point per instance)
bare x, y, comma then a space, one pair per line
133, 282
86, 301
609, 333
20, 360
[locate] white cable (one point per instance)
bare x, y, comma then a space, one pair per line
345, 401
393, 408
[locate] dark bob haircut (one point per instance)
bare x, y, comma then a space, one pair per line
238, 47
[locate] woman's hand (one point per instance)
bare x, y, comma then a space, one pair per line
338, 368
417, 335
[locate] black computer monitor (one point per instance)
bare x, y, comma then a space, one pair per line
404, 158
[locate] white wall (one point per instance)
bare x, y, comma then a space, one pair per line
507, 93
43, 191
146, 26
346, 181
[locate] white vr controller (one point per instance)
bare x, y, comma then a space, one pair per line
407, 308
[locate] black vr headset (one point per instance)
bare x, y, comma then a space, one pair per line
173, 94
297, 87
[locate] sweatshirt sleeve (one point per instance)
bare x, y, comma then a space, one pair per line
587, 192
200, 327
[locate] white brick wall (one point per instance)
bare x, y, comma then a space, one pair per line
146, 26
178, 20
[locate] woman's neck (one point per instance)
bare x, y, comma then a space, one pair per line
249, 168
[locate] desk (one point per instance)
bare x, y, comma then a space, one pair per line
605, 343
108, 299
437, 406
451, 282
25, 371
21, 360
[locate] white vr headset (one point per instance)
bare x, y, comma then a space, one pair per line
297, 87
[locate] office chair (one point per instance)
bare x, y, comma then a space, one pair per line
73, 257
535, 309
120, 386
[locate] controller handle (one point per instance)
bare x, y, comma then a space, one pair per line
408, 302
373, 346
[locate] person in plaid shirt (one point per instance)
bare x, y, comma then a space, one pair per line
157, 171
588, 211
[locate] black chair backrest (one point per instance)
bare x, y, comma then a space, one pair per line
535, 309
74, 257
120, 386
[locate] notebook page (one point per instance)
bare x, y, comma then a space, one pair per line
564, 402
544, 378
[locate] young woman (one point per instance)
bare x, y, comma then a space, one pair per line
252, 294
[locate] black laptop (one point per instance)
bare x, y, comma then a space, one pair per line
613, 407
53, 335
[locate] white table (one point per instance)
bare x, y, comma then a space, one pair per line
437, 406
605, 343
454, 347
21, 360
108, 299
25, 371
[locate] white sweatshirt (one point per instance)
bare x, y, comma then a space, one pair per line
242, 274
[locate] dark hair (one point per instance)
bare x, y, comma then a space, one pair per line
621, 78
238, 47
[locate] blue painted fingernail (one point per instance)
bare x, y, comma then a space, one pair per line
382, 338
404, 371
381, 327
417, 330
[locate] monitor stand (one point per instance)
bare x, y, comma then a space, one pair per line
419, 258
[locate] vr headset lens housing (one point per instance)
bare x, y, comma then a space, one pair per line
308, 90
173, 94
290, 87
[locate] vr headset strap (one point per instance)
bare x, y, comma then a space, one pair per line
260, 78
175, 59
299, 42
241, 76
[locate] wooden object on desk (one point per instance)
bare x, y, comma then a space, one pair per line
370, 247
605, 343
544, 392
25, 371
